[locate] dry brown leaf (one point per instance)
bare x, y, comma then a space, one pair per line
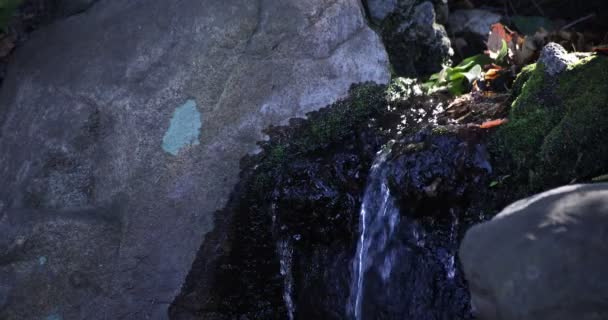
493, 123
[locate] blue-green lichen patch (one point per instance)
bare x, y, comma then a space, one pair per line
184, 128
53, 317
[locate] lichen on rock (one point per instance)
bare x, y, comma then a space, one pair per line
555, 58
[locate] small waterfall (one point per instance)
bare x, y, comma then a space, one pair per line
398, 260
451, 268
378, 218
285, 253
448, 258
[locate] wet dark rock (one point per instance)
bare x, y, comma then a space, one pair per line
435, 176
417, 45
437, 170
292, 224
425, 282
295, 201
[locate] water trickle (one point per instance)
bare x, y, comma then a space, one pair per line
378, 218
285, 253
450, 264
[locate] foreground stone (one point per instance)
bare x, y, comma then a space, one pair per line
544, 257
121, 131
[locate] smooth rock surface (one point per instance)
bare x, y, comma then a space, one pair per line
379, 9
544, 257
476, 21
99, 144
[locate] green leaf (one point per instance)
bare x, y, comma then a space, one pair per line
469, 62
528, 25
473, 74
503, 53
494, 184
457, 87
456, 75
601, 178
456, 79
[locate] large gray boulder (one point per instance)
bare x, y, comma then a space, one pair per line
121, 131
380, 9
544, 257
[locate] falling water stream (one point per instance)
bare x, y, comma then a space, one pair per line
285, 252
378, 218
390, 244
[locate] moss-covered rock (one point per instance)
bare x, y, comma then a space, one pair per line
417, 45
324, 127
558, 126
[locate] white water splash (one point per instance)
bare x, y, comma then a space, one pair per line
378, 219
449, 262
285, 253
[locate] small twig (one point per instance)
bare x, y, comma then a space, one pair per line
577, 21
512, 7
506, 10
540, 10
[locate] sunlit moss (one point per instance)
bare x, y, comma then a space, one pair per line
322, 128
557, 128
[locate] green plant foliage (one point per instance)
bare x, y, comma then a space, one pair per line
7, 9
503, 54
458, 79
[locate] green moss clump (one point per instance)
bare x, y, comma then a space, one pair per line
558, 127
522, 78
7, 9
441, 130
322, 129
